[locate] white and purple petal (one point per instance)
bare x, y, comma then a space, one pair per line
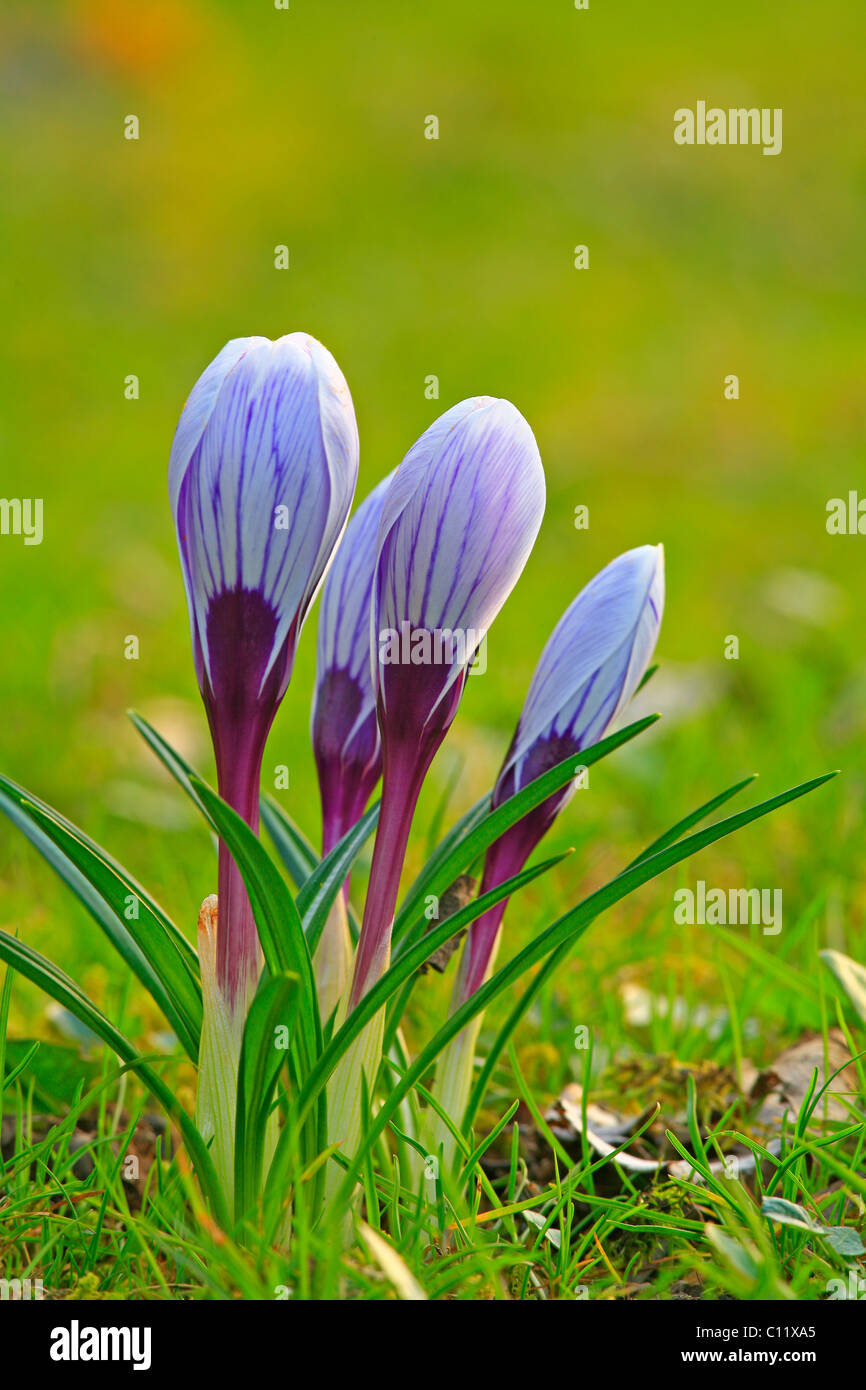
593, 662
345, 731
197, 410
262, 476
458, 524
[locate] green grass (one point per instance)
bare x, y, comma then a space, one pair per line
454, 258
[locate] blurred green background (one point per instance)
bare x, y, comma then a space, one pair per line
410, 258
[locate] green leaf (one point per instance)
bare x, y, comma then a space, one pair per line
150, 944
324, 883
281, 936
787, 1213
291, 844
571, 925
299, 858
54, 982
277, 921
483, 833
399, 971
845, 1240
404, 965
279, 926
555, 960
275, 1005
26, 1053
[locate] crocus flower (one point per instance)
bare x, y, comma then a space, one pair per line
593, 662
261, 478
458, 523
345, 731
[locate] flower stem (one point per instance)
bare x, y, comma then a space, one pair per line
402, 776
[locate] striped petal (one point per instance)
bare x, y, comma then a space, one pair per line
261, 478
262, 475
593, 662
458, 524
345, 731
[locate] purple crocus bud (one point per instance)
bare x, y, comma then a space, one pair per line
458, 523
345, 730
261, 478
593, 662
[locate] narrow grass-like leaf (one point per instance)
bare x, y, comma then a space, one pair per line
275, 1006
483, 833
277, 921
59, 986
281, 936
404, 965
148, 941
555, 960
20, 1066
326, 880
291, 844
571, 925
408, 962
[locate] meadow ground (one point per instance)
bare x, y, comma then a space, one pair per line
453, 258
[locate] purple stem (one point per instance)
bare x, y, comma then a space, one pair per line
238, 944
240, 711
402, 776
416, 707
333, 830
505, 858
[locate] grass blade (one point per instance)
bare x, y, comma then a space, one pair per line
275, 1006
148, 942
553, 962
326, 880
291, 844
483, 833
571, 925
54, 982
